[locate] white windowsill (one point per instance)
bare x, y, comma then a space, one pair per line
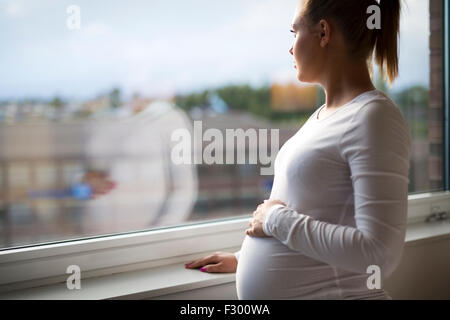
174, 278
140, 284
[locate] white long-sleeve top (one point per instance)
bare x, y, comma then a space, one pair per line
344, 180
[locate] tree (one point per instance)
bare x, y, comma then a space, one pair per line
57, 103
380, 83
187, 102
115, 98
413, 102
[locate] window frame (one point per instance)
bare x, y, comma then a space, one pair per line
47, 264
446, 91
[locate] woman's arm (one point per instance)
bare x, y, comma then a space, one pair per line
377, 147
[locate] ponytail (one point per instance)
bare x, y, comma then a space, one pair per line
386, 47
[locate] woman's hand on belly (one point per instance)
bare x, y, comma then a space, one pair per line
256, 223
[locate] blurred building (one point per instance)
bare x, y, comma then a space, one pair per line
294, 97
234, 189
436, 108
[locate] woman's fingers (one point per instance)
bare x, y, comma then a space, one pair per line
217, 262
196, 263
279, 202
212, 268
201, 262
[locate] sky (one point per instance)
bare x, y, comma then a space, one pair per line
164, 47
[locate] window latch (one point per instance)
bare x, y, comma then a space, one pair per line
437, 216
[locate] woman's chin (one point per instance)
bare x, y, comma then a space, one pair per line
302, 78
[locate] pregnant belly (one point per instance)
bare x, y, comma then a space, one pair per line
268, 269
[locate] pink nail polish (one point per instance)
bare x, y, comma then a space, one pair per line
203, 269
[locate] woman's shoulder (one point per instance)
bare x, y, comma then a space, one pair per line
377, 121
378, 108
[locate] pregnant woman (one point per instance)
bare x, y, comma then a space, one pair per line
338, 206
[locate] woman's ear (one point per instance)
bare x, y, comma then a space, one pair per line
324, 32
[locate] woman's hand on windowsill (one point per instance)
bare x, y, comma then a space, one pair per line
218, 262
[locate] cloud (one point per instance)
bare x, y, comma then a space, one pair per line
14, 9
244, 41
96, 29
285, 76
265, 16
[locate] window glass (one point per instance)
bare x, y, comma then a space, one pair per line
122, 116
418, 91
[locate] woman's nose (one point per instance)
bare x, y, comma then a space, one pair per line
290, 51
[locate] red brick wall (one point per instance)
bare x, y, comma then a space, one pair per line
435, 114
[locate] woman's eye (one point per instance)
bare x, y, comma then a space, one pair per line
294, 33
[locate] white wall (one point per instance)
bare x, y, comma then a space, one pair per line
423, 273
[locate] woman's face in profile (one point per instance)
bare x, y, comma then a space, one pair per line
306, 48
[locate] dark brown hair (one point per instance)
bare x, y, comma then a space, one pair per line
351, 18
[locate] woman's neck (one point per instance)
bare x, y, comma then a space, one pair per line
344, 81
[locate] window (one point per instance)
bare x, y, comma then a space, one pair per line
87, 114
421, 97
